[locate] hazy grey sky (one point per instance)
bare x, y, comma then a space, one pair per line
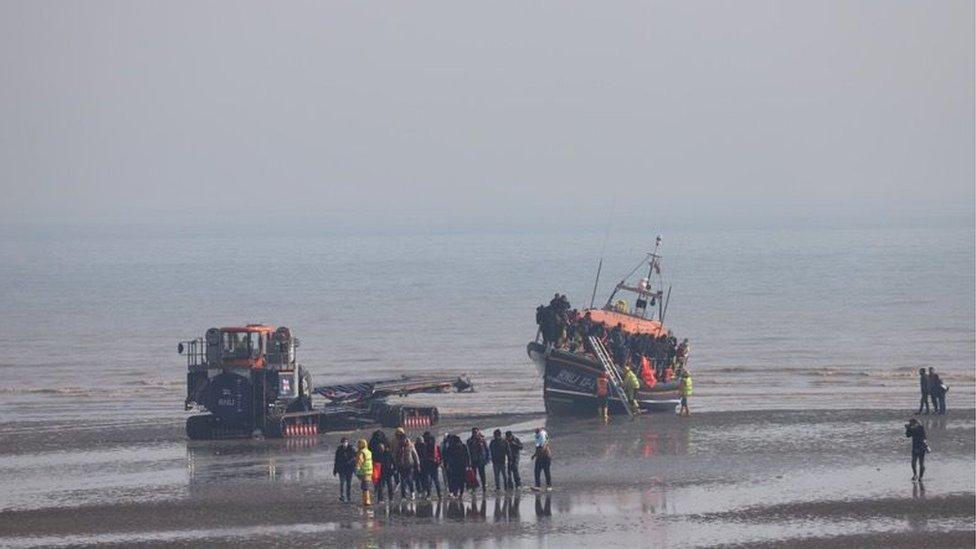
365, 112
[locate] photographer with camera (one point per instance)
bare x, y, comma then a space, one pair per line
920, 447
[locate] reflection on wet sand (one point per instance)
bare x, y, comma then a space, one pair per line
504, 508
646, 438
713, 478
215, 462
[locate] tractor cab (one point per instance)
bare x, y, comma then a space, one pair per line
254, 346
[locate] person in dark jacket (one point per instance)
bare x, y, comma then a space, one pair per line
498, 448
430, 463
938, 390
478, 450
445, 442
923, 382
419, 480
456, 462
920, 447
343, 467
378, 437
514, 453
384, 458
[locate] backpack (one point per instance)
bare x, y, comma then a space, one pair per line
403, 454
544, 451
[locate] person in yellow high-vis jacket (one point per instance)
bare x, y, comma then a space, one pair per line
685, 389
364, 470
631, 384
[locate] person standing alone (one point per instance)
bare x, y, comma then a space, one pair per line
543, 458
920, 447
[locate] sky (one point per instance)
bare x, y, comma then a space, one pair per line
374, 114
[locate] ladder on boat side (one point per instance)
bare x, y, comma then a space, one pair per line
611, 369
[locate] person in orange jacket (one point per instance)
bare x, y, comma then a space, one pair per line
647, 373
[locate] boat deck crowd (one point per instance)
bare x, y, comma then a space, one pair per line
566, 329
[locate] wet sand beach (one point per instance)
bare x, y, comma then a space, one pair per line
770, 478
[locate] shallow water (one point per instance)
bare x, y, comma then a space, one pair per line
714, 478
91, 390
796, 318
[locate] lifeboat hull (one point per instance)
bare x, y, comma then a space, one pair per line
569, 385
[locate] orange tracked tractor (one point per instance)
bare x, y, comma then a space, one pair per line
248, 381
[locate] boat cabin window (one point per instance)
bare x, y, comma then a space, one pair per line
241, 345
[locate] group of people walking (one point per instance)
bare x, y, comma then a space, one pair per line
381, 466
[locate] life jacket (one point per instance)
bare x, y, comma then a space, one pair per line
647, 373
602, 384
364, 464
686, 386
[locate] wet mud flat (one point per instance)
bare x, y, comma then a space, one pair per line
775, 478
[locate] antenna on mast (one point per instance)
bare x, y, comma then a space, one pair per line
597, 281
603, 250
664, 309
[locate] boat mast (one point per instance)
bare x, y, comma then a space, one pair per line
643, 291
652, 265
603, 251
664, 309
596, 282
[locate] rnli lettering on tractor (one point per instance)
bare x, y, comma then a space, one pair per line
228, 399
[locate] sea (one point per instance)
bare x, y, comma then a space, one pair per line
807, 317
805, 343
